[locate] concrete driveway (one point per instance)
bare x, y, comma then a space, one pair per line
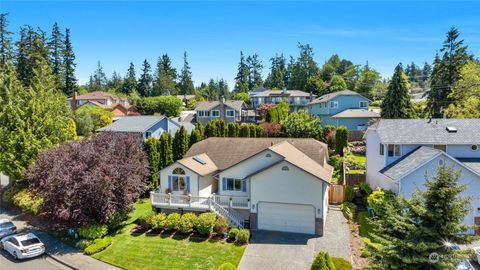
278, 250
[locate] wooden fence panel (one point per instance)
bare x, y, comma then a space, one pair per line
336, 194
353, 179
355, 135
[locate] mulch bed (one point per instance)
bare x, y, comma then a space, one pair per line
356, 246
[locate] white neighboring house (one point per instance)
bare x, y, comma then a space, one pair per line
401, 151
269, 183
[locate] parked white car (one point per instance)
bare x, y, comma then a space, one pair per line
23, 246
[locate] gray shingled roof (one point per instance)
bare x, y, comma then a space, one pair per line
410, 161
208, 105
356, 113
472, 163
291, 93
329, 96
137, 124
425, 131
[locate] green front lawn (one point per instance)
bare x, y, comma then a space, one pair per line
145, 251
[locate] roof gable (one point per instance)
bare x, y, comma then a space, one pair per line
330, 96
133, 123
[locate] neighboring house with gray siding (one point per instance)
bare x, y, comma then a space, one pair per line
273, 184
400, 152
228, 110
343, 108
297, 100
147, 126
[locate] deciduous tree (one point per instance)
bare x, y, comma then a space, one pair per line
302, 125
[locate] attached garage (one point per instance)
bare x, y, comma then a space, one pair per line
286, 217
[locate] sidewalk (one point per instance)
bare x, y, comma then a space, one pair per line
59, 251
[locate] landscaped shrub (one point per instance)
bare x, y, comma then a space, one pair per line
349, 193
221, 225
10, 192
158, 221
187, 222
115, 222
93, 231
232, 234
319, 263
146, 220
28, 202
98, 245
206, 222
227, 266
379, 198
84, 243
323, 261
365, 188
348, 209
171, 223
243, 236
341, 264
341, 139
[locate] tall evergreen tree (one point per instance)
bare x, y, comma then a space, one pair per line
130, 81
32, 52
145, 83
446, 71
5, 41
165, 150
180, 143
98, 81
397, 102
115, 82
151, 147
69, 65
255, 72
32, 118
277, 77
56, 46
185, 85
241, 80
165, 77
301, 70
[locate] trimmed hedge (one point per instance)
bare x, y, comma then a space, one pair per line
146, 220
221, 225
232, 234
187, 223
171, 223
28, 202
243, 236
93, 231
98, 245
84, 243
158, 221
206, 222
227, 266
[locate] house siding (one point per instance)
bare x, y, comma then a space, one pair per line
245, 168
293, 186
223, 115
416, 179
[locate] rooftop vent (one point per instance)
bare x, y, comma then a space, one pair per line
199, 160
451, 129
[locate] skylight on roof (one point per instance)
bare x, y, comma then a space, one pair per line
199, 160
451, 129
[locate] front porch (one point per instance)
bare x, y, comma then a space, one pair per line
196, 203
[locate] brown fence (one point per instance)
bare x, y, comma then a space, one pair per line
336, 194
355, 135
353, 179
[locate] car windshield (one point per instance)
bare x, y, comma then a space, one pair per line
29, 242
6, 225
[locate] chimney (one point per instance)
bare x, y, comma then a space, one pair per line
222, 109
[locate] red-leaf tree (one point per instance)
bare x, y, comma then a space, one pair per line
271, 129
90, 180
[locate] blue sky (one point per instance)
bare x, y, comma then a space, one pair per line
214, 32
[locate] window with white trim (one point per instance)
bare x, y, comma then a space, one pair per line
393, 150
334, 104
215, 113
234, 184
203, 113
178, 180
230, 113
363, 104
382, 150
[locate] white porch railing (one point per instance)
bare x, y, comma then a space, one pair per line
240, 202
201, 203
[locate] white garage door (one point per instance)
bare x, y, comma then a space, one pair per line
286, 217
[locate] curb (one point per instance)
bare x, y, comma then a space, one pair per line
55, 258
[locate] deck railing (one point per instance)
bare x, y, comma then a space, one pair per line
240, 202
